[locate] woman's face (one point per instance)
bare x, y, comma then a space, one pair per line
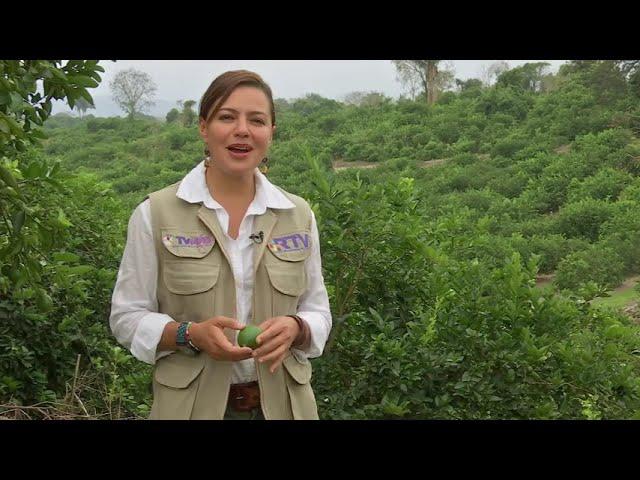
239, 134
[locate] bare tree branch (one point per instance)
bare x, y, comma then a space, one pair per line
133, 91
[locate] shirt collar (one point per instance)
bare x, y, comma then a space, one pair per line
193, 189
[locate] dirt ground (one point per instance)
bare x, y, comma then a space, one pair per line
340, 165
432, 163
543, 280
628, 284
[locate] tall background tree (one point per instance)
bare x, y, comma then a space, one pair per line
527, 77
173, 115
133, 91
631, 70
489, 73
188, 115
361, 99
606, 78
423, 76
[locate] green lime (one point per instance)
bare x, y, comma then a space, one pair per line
247, 336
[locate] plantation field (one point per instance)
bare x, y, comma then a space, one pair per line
467, 246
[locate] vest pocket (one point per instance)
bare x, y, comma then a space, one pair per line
178, 370
175, 383
288, 278
288, 281
299, 370
188, 277
298, 376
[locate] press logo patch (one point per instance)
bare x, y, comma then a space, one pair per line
290, 243
173, 241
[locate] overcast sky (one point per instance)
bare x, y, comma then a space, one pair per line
188, 79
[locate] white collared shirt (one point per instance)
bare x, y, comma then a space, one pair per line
134, 319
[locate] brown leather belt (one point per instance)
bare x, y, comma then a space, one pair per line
244, 397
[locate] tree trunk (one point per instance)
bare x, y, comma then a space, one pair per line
432, 89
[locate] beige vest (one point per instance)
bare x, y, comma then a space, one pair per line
196, 283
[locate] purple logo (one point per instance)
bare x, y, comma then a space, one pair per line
290, 243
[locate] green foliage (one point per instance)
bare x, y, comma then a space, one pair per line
621, 233
596, 263
604, 185
584, 218
173, 115
29, 226
24, 105
486, 345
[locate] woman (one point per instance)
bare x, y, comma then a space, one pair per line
221, 249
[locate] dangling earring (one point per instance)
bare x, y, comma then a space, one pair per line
207, 161
264, 165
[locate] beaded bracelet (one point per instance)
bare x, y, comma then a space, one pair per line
181, 340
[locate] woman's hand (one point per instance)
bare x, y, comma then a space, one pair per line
278, 334
209, 337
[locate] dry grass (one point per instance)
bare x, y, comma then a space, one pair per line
84, 384
562, 149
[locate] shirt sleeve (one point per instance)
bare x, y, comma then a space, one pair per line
313, 305
134, 319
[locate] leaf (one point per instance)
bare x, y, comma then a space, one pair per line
58, 74
62, 219
4, 126
80, 269
18, 221
12, 192
54, 169
43, 115
96, 76
73, 64
17, 247
84, 94
43, 301
34, 170
65, 257
58, 186
16, 101
38, 133
82, 81
14, 126
7, 177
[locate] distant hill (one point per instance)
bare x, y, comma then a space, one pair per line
106, 107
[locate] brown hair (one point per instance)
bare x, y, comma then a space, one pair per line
225, 84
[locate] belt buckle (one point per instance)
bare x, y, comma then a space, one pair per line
240, 399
